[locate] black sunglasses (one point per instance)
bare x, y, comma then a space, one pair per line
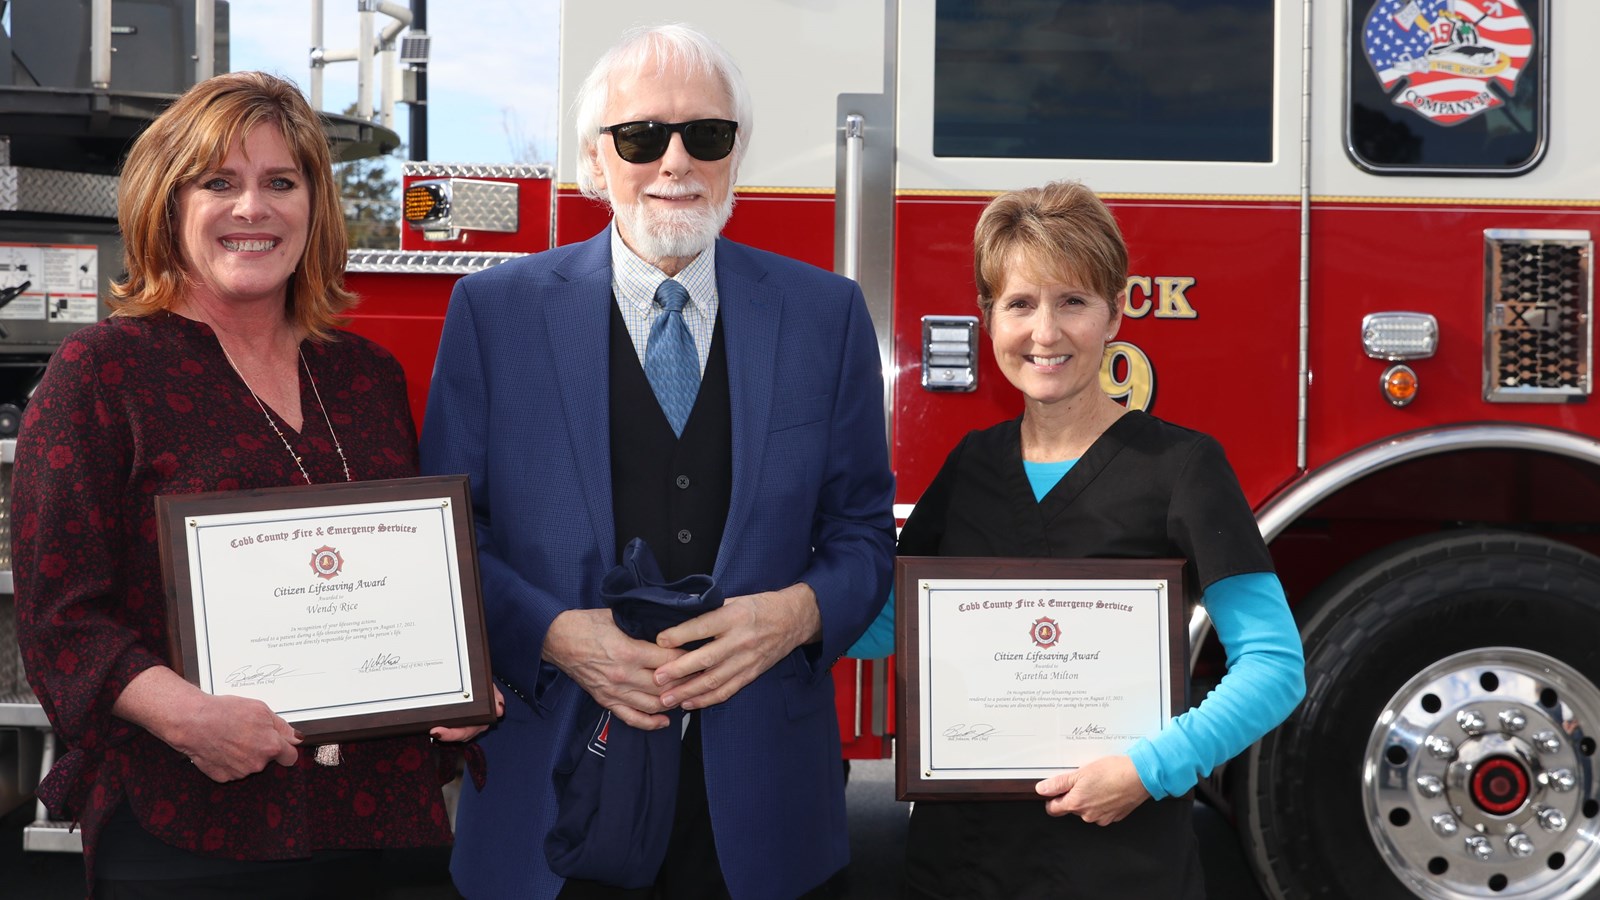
707, 140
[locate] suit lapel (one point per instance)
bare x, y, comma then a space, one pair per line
751, 308
578, 318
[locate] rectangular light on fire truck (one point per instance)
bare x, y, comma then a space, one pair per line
950, 353
1400, 335
442, 208
425, 201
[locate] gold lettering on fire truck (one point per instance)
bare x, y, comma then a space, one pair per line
1173, 304
1126, 374
1164, 294
1137, 309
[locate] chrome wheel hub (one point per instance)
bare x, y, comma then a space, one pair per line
1479, 779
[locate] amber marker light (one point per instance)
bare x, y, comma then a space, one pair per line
426, 201
1399, 385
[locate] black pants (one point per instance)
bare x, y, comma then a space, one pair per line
1016, 851
133, 864
691, 870
336, 879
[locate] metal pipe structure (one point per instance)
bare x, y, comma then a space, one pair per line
390, 80
368, 9
100, 45
317, 55
419, 106
855, 130
205, 40
371, 42
401, 16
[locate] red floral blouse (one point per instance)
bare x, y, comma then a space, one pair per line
131, 408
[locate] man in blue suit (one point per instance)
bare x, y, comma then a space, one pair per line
721, 402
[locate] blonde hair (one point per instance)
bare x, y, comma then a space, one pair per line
1063, 228
192, 137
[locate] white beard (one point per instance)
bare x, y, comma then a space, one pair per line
672, 233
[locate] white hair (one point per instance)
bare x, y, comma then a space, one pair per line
663, 45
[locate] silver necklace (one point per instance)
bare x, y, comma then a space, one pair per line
278, 431
325, 754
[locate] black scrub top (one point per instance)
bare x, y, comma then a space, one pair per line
1146, 489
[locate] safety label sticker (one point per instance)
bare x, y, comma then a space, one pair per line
49, 282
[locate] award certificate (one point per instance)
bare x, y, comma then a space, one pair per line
351, 610
1015, 670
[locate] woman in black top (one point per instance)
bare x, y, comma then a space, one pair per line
1078, 475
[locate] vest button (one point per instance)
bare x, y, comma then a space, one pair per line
684, 536
682, 481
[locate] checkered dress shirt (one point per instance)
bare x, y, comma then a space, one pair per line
634, 283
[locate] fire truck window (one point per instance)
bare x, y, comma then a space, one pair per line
1436, 88
1104, 79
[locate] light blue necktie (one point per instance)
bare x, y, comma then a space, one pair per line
670, 361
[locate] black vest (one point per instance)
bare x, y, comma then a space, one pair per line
670, 490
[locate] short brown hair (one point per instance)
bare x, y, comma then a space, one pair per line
1062, 227
192, 137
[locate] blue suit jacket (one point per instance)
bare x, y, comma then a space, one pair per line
519, 402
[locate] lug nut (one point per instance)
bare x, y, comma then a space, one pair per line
1547, 742
1520, 845
1479, 847
1445, 825
1440, 747
1430, 786
1552, 820
1512, 721
1471, 721
1562, 780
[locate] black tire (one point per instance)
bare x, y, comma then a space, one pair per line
1385, 622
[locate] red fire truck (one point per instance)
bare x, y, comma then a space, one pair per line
1362, 245
1362, 241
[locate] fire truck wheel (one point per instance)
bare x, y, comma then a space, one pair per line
1446, 745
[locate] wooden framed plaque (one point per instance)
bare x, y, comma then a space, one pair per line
1013, 670
352, 610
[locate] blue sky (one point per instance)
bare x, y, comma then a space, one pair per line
491, 77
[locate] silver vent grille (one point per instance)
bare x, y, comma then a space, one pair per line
950, 353
1538, 303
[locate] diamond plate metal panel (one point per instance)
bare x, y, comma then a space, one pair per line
457, 170
424, 262
25, 189
482, 205
13, 681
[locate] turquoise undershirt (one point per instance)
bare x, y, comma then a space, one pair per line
1264, 681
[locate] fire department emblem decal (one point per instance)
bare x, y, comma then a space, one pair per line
1045, 632
1448, 53
326, 562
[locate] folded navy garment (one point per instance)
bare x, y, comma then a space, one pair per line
617, 786
642, 606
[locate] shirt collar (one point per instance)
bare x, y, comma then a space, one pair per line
635, 281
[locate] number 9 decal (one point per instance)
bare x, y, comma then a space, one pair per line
1126, 375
